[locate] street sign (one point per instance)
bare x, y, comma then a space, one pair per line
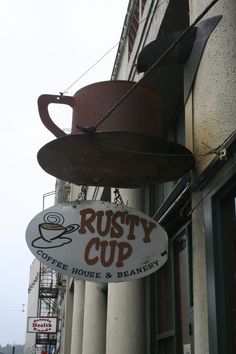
42, 325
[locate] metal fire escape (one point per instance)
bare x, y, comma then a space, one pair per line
47, 307
49, 284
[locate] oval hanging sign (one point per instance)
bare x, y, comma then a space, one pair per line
97, 241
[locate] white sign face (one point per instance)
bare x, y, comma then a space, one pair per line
97, 241
42, 325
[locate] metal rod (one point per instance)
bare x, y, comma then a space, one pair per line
173, 204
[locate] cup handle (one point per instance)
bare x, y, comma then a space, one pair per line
43, 103
71, 228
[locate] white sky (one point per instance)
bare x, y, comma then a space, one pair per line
45, 45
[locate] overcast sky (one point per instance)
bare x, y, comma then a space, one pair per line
45, 46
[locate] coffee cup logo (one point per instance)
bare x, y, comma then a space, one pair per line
52, 232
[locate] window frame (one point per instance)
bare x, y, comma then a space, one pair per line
218, 187
172, 334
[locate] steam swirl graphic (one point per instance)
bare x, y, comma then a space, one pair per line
53, 218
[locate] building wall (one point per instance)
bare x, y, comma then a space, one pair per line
210, 120
213, 116
116, 318
32, 306
214, 89
66, 324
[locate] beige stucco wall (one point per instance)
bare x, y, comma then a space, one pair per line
214, 107
210, 118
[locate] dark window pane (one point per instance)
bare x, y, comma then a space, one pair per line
180, 129
166, 346
165, 308
182, 287
229, 242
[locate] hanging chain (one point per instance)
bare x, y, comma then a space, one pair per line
83, 193
118, 198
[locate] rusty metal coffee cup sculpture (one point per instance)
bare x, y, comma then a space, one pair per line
126, 149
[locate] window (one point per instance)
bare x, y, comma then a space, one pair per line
171, 296
134, 24
143, 3
228, 233
220, 231
171, 303
222, 269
